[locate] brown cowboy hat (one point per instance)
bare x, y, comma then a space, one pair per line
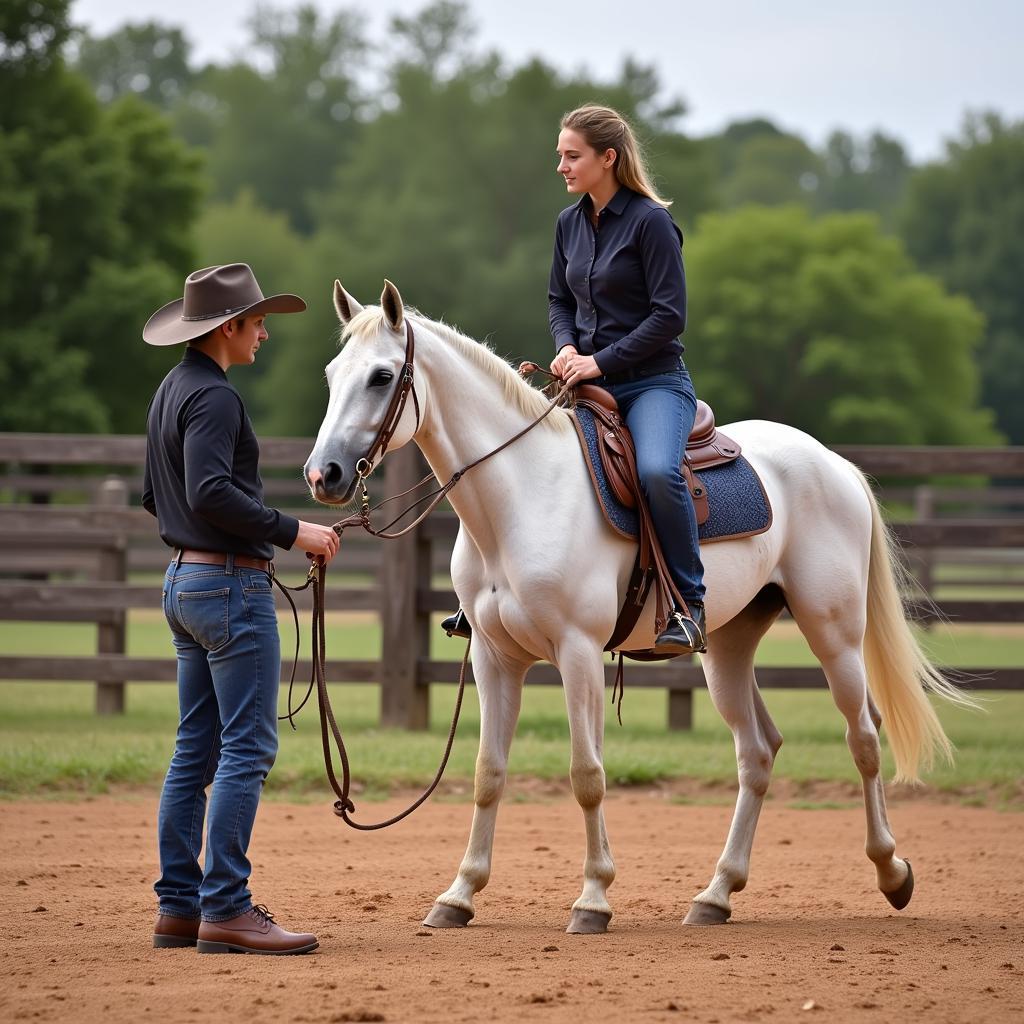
213, 296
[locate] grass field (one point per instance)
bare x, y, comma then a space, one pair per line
51, 742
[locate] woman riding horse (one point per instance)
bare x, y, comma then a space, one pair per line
616, 305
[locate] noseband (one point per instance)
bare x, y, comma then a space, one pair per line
393, 415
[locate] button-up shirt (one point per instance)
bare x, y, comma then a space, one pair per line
202, 478
618, 292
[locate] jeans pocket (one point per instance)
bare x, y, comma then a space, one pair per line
204, 613
257, 583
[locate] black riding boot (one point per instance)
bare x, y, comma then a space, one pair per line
457, 625
683, 634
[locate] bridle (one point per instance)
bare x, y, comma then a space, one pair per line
395, 409
317, 577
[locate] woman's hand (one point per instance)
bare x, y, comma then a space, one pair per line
558, 364
579, 368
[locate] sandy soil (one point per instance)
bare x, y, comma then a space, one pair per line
812, 939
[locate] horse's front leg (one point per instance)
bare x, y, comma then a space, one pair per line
580, 663
499, 684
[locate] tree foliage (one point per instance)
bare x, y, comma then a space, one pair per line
149, 60
824, 324
96, 204
864, 174
280, 121
424, 158
965, 222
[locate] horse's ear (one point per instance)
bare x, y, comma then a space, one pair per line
344, 304
391, 303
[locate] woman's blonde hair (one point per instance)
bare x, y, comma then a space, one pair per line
603, 128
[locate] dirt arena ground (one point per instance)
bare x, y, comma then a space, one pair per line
812, 939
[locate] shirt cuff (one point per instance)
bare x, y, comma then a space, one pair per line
608, 361
565, 339
286, 532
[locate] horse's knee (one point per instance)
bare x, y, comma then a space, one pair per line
755, 769
587, 784
865, 748
489, 780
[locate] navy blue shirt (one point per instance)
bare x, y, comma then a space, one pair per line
202, 478
618, 293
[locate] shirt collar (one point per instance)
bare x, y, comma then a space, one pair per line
196, 357
616, 204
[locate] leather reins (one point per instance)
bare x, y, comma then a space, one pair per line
317, 578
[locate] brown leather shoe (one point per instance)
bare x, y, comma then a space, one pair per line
170, 932
252, 932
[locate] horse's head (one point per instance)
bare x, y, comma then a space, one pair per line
364, 379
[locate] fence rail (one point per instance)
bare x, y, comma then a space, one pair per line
74, 562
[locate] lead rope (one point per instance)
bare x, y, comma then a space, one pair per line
344, 806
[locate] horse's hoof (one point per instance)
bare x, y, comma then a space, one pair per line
900, 897
443, 916
706, 913
588, 922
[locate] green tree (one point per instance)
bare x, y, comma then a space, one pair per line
96, 205
280, 121
453, 194
964, 221
826, 325
149, 60
864, 174
283, 261
772, 169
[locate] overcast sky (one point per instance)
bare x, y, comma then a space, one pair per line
909, 67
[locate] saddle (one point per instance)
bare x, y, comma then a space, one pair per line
706, 447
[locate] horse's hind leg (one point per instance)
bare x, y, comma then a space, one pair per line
835, 633
580, 664
500, 689
729, 669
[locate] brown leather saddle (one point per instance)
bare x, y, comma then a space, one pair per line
705, 448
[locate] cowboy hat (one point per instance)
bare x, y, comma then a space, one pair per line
213, 296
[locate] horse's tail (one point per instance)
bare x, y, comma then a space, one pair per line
899, 672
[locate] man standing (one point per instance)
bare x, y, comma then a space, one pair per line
202, 483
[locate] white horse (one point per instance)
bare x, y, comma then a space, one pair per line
542, 576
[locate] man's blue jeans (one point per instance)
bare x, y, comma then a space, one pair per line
659, 411
224, 628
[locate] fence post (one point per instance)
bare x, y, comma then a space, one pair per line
110, 639
924, 559
680, 705
405, 629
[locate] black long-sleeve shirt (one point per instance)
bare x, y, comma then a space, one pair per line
202, 478
618, 293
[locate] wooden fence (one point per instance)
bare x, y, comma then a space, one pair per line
81, 562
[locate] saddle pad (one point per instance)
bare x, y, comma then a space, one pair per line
737, 502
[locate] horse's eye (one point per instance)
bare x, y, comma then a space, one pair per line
381, 378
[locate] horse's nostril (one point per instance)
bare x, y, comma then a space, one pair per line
332, 474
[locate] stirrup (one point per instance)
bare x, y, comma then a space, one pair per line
457, 625
683, 634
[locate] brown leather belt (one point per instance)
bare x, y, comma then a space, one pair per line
219, 558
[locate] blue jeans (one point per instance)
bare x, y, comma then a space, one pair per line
659, 411
224, 629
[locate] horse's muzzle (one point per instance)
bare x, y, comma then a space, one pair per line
330, 484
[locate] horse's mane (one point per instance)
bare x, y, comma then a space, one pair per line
519, 393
